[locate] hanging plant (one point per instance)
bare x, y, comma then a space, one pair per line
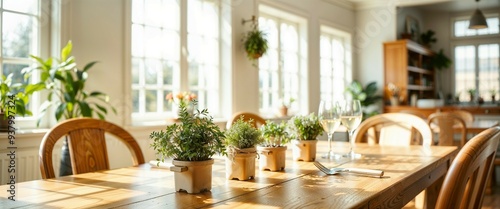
255, 43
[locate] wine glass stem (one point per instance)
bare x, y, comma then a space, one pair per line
330, 143
351, 142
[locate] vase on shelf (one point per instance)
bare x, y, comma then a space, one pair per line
394, 101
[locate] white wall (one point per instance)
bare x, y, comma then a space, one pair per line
373, 27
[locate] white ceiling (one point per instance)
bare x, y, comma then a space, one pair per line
429, 5
461, 5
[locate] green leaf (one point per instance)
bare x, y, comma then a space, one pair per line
60, 110
85, 109
101, 108
88, 66
66, 51
31, 88
371, 88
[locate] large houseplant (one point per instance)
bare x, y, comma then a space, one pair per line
304, 131
240, 140
191, 144
367, 96
66, 85
272, 151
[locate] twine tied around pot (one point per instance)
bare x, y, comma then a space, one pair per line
232, 151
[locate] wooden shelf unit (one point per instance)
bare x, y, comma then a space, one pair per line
408, 66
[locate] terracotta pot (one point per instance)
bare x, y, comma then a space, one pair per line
4, 123
284, 111
241, 164
272, 158
304, 150
192, 176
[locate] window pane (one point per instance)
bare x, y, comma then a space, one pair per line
279, 68
169, 68
464, 70
151, 71
462, 28
135, 100
17, 35
24, 6
16, 70
488, 70
335, 63
151, 101
137, 67
21, 33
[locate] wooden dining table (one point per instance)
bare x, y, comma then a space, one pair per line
477, 126
408, 171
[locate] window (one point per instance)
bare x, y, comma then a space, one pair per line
477, 67
160, 63
461, 27
336, 65
21, 36
280, 68
476, 58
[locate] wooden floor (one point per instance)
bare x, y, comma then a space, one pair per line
492, 201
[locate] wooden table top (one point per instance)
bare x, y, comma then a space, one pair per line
408, 170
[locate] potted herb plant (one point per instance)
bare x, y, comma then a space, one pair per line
191, 144
272, 151
304, 131
13, 100
472, 94
255, 43
284, 107
66, 85
493, 93
240, 140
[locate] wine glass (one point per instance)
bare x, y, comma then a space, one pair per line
351, 115
329, 115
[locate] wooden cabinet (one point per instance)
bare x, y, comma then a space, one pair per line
408, 66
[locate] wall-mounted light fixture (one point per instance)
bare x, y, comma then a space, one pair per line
477, 20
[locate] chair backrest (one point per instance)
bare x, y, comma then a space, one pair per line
465, 182
447, 122
393, 129
467, 116
413, 112
87, 145
257, 120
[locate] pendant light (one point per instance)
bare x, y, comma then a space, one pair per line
477, 20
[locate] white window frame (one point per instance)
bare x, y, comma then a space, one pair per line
300, 106
474, 40
466, 18
41, 47
345, 39
181, 80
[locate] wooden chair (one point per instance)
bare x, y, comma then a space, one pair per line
446, 122
413, 112
393, 129
87, 145
464, 115
465, 182
257, 120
